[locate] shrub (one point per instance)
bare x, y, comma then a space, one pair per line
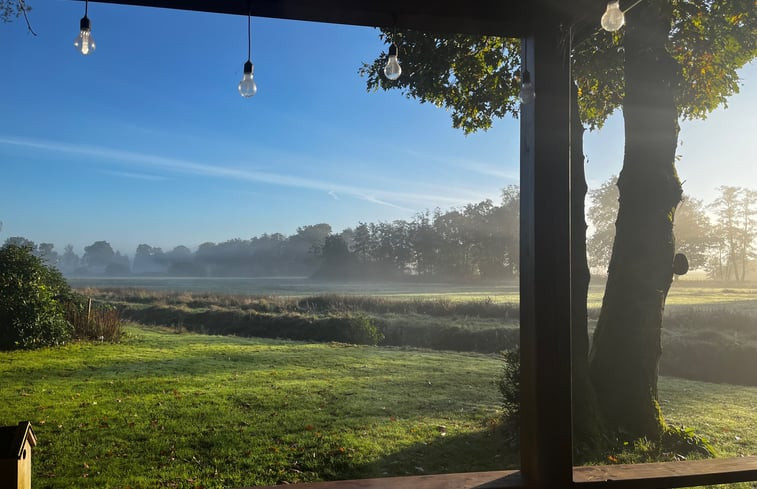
30, 312
509, 387
91, 321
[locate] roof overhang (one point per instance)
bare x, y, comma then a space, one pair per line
507, 18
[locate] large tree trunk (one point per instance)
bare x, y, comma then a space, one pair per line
627, 342
587, 427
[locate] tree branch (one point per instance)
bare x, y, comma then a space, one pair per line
22, 7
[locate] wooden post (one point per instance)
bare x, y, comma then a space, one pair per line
545, 263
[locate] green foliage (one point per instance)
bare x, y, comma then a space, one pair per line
345, 328
10, 9
476, 78
675, 444
473, 77
509, 388
95, 322
30, 293
685, 442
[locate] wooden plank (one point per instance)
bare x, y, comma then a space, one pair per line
545, 264
636, 476
478, 480
667, 474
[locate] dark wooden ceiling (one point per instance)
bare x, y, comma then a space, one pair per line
511, 18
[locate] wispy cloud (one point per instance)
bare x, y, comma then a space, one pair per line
136, 176
480, 167
391, 198
333, 195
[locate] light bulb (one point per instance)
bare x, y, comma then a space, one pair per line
84, 43
527, 92
247, 87
392, 70
613, 18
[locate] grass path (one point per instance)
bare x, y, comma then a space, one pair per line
187, 411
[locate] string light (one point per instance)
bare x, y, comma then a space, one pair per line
614, 18
392, 70
247, 87
84, 42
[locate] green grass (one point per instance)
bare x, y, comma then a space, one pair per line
725, 414
184, 410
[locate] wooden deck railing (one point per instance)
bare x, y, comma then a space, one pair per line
637, 476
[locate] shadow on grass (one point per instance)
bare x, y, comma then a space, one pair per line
484, 450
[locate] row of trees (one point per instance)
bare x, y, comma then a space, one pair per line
476, 241
719, 237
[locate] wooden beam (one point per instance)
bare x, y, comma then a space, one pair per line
509, 18
667, 474
479, 17
634, 476
472, 480
545, 270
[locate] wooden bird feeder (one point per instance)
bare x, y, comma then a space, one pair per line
16, 443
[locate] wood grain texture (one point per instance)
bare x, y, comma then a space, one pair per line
668, 474
478, 480
637, 476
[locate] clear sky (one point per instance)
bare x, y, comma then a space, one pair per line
148, 141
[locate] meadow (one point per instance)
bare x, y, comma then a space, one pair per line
171, 407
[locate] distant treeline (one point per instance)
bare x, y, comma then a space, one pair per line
719, 237
475, 241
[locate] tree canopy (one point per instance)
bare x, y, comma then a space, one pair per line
477, 78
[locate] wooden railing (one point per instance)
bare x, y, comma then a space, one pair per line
637, 476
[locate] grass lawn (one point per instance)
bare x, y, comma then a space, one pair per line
183, 410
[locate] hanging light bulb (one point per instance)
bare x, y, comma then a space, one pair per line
613, 18
84, 43
247, 87
527, 92
392, 70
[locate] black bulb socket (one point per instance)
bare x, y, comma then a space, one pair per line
393, 50
248, 67
526, 76
84, 24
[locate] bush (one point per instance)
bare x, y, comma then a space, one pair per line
30, 312
509, 387
91, 321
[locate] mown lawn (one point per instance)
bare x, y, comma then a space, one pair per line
184, 410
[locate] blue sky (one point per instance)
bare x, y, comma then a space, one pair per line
148, 141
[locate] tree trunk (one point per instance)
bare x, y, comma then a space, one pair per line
587, 427
626, 349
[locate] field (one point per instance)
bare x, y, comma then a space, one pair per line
172, 408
